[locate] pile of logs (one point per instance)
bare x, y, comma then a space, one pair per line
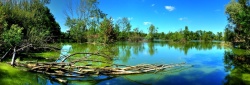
64, 69
70, 70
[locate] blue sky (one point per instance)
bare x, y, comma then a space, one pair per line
167, 15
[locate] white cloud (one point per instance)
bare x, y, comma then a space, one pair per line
130, 18
153, 5
183, 18
147, 23
170, 8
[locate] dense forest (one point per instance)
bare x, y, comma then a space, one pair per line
24, 22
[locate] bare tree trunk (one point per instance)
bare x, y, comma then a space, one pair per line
13, 57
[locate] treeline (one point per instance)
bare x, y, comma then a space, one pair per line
92, 25
186, 35
24, 22
238, 29
106, 31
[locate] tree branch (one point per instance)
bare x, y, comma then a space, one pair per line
98, 54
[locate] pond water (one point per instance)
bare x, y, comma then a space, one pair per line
212, 64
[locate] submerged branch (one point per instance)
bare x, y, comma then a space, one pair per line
98, 54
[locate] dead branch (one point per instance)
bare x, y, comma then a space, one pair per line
24, 47
5, 54
98, 54
13, 57
68, 69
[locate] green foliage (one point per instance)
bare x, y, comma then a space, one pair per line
136, 35
238, 16
37, 36
228, 35
124, 27
13, 36
9, 73
33, 16
107, 33
77, 29
186, 35
151, 32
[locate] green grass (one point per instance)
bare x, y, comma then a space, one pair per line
13, 76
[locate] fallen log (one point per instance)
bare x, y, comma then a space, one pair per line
13, 57
66, 69
61, 80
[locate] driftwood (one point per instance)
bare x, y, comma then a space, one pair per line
13, 57
70, 70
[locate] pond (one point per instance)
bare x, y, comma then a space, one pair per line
211, 64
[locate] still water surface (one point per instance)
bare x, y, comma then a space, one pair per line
212, 64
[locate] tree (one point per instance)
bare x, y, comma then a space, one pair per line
151, 32
77, 29
26, 24
83, 20
228, 34
135, 36
107, 33
186, 34
125, 27
219, 35
238, 17
13, 36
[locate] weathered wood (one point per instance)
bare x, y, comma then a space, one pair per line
66, 69
24, 47
13, 57
61, 80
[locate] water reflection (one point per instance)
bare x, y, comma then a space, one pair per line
237, 62
185, 47
211, 63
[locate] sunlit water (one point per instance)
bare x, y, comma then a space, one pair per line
207, 60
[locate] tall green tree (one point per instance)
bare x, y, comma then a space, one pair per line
238, 16
83, 20
219, 35
186, 34
34, 17
107, 32
125, 27
151, 32
228, 34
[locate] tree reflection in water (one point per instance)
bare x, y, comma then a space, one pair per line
237, 63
